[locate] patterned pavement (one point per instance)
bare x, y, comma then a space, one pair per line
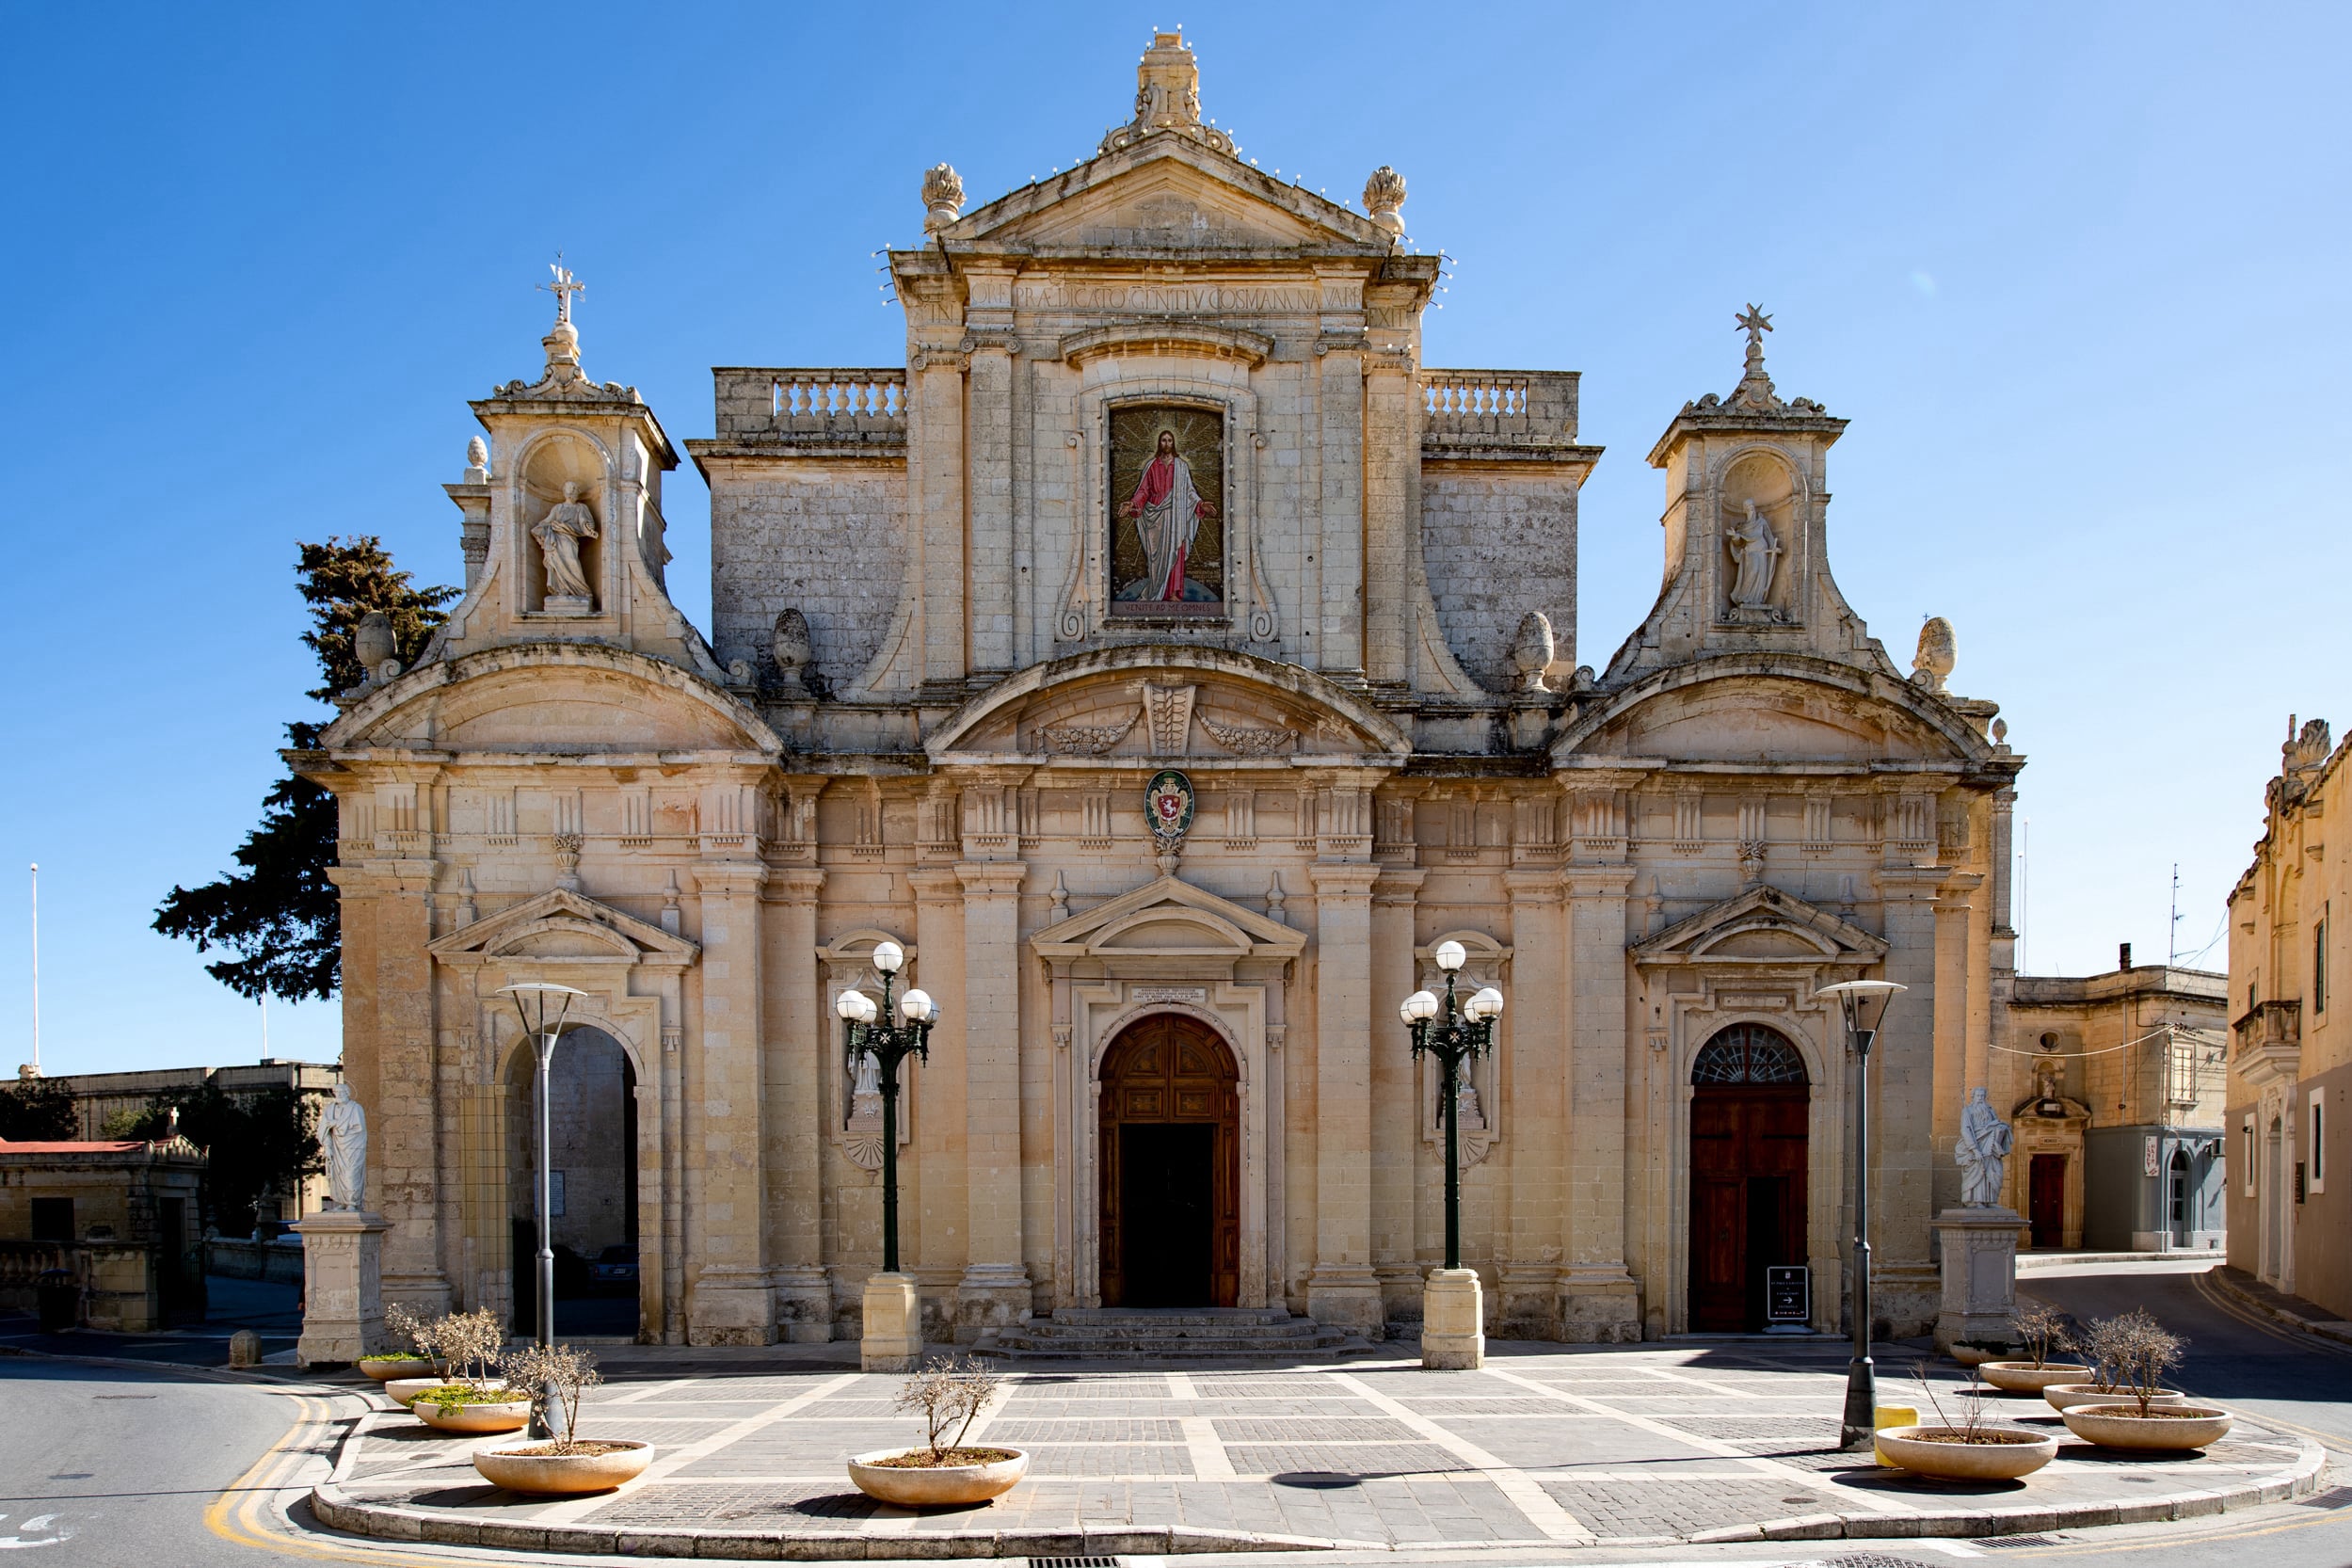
1547, 1445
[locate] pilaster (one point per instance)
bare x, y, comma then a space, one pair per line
728, 1301
996, 1285
1340, 445
798, 1053
1599, 1302
1907, 1287
1535, 1046
404, 1144
1395, 1107
936, 508
1343, 1291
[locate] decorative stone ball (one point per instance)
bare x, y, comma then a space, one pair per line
371, 641
1384, 193
943, 194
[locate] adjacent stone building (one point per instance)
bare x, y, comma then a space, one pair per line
2114, 1085
118, 1215
1162, 490
2290, 1064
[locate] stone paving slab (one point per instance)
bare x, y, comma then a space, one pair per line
1546, 1447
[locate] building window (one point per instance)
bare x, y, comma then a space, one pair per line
2316, 1158
2319, 964
53, 1219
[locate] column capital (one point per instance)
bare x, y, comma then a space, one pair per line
792, 883
1543, 885
1595, 881
1952, 892
1353, 879
729, 877
990, 879
936, 884
1397, 884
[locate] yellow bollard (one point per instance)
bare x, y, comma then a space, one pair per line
1891, 1415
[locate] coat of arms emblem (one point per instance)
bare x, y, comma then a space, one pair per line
1168, 805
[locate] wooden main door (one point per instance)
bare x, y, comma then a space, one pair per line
2045, 1199
1749, 1107
1170, 1161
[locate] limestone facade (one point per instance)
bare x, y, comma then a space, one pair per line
2290, 1194
964, 608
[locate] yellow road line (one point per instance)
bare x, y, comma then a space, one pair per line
241, 1513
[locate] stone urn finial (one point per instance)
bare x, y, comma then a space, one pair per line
943, 194
477, 461
789, 645
1383, 194
1936, 654
373, 644
1532, 650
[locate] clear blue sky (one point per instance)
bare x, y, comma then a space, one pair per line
2075, 272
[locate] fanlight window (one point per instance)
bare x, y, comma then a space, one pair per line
1748, 1053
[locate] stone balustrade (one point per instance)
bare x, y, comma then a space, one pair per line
1506, 408
812, 408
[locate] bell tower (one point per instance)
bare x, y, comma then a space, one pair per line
1746, 530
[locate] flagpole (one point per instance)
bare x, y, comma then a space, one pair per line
36, 968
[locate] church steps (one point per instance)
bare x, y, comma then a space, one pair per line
1083, 1333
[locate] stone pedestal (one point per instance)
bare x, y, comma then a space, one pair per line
1453, 1322
343, 1297
991, 1296
1980, 1275
892, 1337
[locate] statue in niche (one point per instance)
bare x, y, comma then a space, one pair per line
559, 533
342, 1139
1982, 1150
1754, 552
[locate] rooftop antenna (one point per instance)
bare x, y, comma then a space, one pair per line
36, 968
2173, 932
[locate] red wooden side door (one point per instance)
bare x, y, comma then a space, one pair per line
1747, 1188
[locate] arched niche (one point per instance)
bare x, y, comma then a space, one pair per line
558, 466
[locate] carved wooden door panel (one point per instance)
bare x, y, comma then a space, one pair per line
1168, 1158
1748, 1150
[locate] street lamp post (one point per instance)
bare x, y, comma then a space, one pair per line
1862, 1003
543, 1036
1453, 1330
892, 1334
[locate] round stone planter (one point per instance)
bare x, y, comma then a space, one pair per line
2023, 1377
383, 1369
2064, 1396
2018, 1453
2113, 1426
401, 1390
511, 1416
941, 1487
1973, 1355
563, 1474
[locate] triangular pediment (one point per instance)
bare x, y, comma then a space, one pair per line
1169, 918
1165, 192
1762, 926
562, 926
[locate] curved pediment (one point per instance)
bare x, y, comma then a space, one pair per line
1775, 709
1152, 703
553, 697
562, 926
1763, 927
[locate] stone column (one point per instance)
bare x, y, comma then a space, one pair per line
1598, 1299
800, 1050
934, 1171
1961, 1059
1534, 1046
1343, 1291
343, 1308
1395, 1109
996, 1286
1903, 1112
727, 1300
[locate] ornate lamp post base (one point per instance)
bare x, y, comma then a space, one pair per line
892, 1339
1453, 1322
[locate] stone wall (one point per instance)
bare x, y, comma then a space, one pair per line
1497, 547
826, 538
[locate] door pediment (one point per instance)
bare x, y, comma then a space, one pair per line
1761, 927
1168, 920
564, 927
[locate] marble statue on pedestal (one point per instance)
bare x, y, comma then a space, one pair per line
342, 1139
1982, 1151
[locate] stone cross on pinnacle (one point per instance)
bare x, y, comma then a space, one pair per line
1753, 321
565, 286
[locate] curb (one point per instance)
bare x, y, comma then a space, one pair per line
338, 1510
335, 1508
2335, 1329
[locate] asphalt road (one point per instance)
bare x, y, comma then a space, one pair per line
102, 1465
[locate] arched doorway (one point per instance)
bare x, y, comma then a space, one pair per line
1747, 1149
2180, 1197
1170, 1159
592, 1165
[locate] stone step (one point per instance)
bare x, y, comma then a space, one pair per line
1077, 1333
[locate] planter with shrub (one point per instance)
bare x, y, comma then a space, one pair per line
948, 1392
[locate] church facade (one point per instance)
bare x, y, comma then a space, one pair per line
1161, 499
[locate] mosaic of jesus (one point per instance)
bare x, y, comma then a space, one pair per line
1167, 486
